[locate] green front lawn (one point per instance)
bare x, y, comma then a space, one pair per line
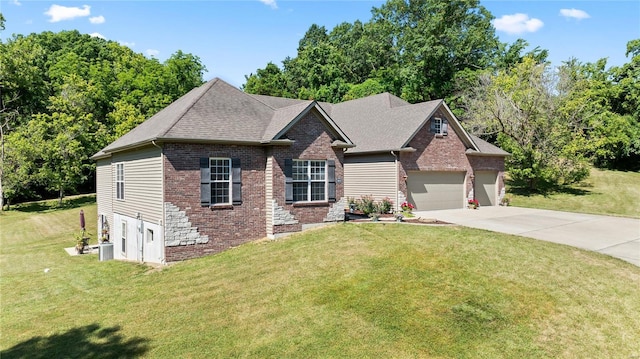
604, 192
370, 290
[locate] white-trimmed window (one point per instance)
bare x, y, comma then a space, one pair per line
123, 236
309, 180
120, 180
439, 126
220, 181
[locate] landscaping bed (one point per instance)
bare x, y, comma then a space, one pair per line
359, 216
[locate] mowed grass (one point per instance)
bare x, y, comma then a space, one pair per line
349, 290
604, 192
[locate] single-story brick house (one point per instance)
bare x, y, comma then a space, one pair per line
219, 167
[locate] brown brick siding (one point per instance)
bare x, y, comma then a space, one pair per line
233, 225
445, 153
312, 142
434, 153
226, 227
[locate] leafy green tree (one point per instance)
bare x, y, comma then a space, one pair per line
410, 48
66, 95
267, 81
436, 39
369, 87
525, 109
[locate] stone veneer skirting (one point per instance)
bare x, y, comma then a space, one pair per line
281, 216
336, 211
178, 230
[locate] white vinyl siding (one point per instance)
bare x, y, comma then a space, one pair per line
268, 190
104, 191
143, 179
375, 176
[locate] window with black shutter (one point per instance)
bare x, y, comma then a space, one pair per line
309, 180
220, 181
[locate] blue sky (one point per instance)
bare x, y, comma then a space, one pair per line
234, 38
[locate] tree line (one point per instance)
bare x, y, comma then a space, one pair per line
64, 96
555, 121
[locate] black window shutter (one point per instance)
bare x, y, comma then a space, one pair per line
288, 180
205, 182
236, 177
445, 127
331, 180
433, 125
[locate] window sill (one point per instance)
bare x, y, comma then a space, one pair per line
220, 206
311, 204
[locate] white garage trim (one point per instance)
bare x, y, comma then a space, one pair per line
431, 190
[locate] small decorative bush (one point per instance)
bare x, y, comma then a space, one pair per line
385, 205
366, 204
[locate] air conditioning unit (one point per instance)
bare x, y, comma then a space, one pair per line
105, 251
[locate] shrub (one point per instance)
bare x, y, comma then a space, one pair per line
366, 204
385, 205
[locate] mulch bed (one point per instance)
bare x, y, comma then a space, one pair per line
359, 217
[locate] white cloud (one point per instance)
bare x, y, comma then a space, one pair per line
97, 34
127, 44
517, 24
97, 19
17, 3
574, 14
60, 13
271, 3
152, 52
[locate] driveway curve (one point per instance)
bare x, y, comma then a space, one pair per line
615, 236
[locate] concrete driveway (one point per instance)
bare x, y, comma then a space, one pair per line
615, 236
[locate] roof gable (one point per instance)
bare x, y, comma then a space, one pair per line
219, 112
443, 110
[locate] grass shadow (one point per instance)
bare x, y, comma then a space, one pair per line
89, 341
51, 205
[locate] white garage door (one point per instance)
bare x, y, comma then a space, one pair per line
485, 187
429, 190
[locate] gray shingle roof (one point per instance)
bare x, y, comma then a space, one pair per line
485, 148
219, 112
373, 125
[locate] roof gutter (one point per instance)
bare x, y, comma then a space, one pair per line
155, 141
485, 154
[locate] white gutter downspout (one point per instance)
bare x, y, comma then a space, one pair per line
397, 180
162, 254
